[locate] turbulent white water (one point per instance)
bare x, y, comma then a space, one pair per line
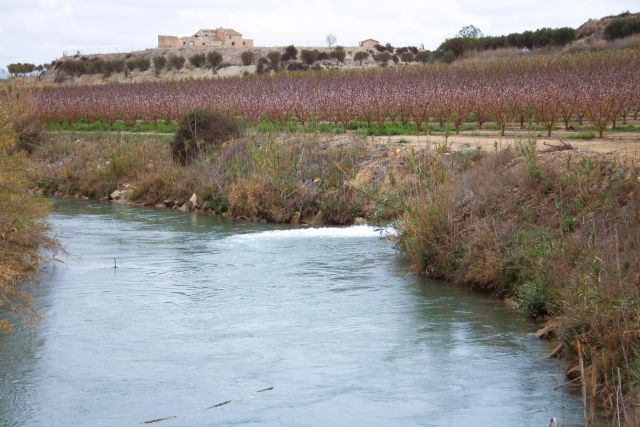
355, 231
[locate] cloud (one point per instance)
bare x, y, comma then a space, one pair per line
41, 30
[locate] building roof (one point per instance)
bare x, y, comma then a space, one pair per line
230, 31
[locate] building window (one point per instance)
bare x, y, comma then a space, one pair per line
233, 43
243, 43
202, 43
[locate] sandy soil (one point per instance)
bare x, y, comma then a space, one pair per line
623, 143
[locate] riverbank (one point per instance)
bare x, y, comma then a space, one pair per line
558, 233
555, 232
22, 224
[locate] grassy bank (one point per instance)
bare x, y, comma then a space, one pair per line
558, 233
22, 225
360, 128
258, 177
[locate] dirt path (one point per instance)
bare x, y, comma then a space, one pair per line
626, 144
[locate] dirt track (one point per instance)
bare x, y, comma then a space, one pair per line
626, 144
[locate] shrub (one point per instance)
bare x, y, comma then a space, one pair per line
198, 60
291, 52
174, 61
338, 54
116, 65
200, 131
422, 56
297, 66
20, 69
247, 57
29, 134
322, 56
309, 56
407, 57
361, 56
141, 64
622, 27
214, 59
159, 62
263, 66
274, 57
144, 64
380, 48
383, 57
448, 56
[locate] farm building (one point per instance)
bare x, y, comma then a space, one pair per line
218, 37
369, 43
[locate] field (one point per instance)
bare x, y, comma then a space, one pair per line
600, 89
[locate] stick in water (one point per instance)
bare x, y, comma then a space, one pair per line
157, 420
219, 404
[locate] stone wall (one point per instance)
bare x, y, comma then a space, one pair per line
169, 42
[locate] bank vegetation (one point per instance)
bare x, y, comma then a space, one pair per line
23, 230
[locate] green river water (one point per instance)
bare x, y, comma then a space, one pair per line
202, 310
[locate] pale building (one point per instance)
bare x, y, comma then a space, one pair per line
369, 43
218, 37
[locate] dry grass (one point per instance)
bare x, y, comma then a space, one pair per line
559, 233
22, 228
256, 177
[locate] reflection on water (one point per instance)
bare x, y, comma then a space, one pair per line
203, 310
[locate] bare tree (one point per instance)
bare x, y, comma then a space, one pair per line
331, 40
470, 32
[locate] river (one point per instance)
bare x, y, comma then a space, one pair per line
202, 310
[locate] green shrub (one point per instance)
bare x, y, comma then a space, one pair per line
423, 56
175, 61
535, 296
159, 62
200, 131
361, 56
214, 59
622, 27
274, 57
309, 56
247, 57
338, 54
116, 65
407, 57
290, 53
383, 58
198, 60
297, 66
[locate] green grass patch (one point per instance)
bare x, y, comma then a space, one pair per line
161, 126
582, 135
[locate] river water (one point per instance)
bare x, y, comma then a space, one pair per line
202, 310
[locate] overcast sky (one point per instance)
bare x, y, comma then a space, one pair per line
38, 31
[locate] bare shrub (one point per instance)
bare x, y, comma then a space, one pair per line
199, 131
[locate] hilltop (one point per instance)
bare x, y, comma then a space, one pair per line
224, 53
